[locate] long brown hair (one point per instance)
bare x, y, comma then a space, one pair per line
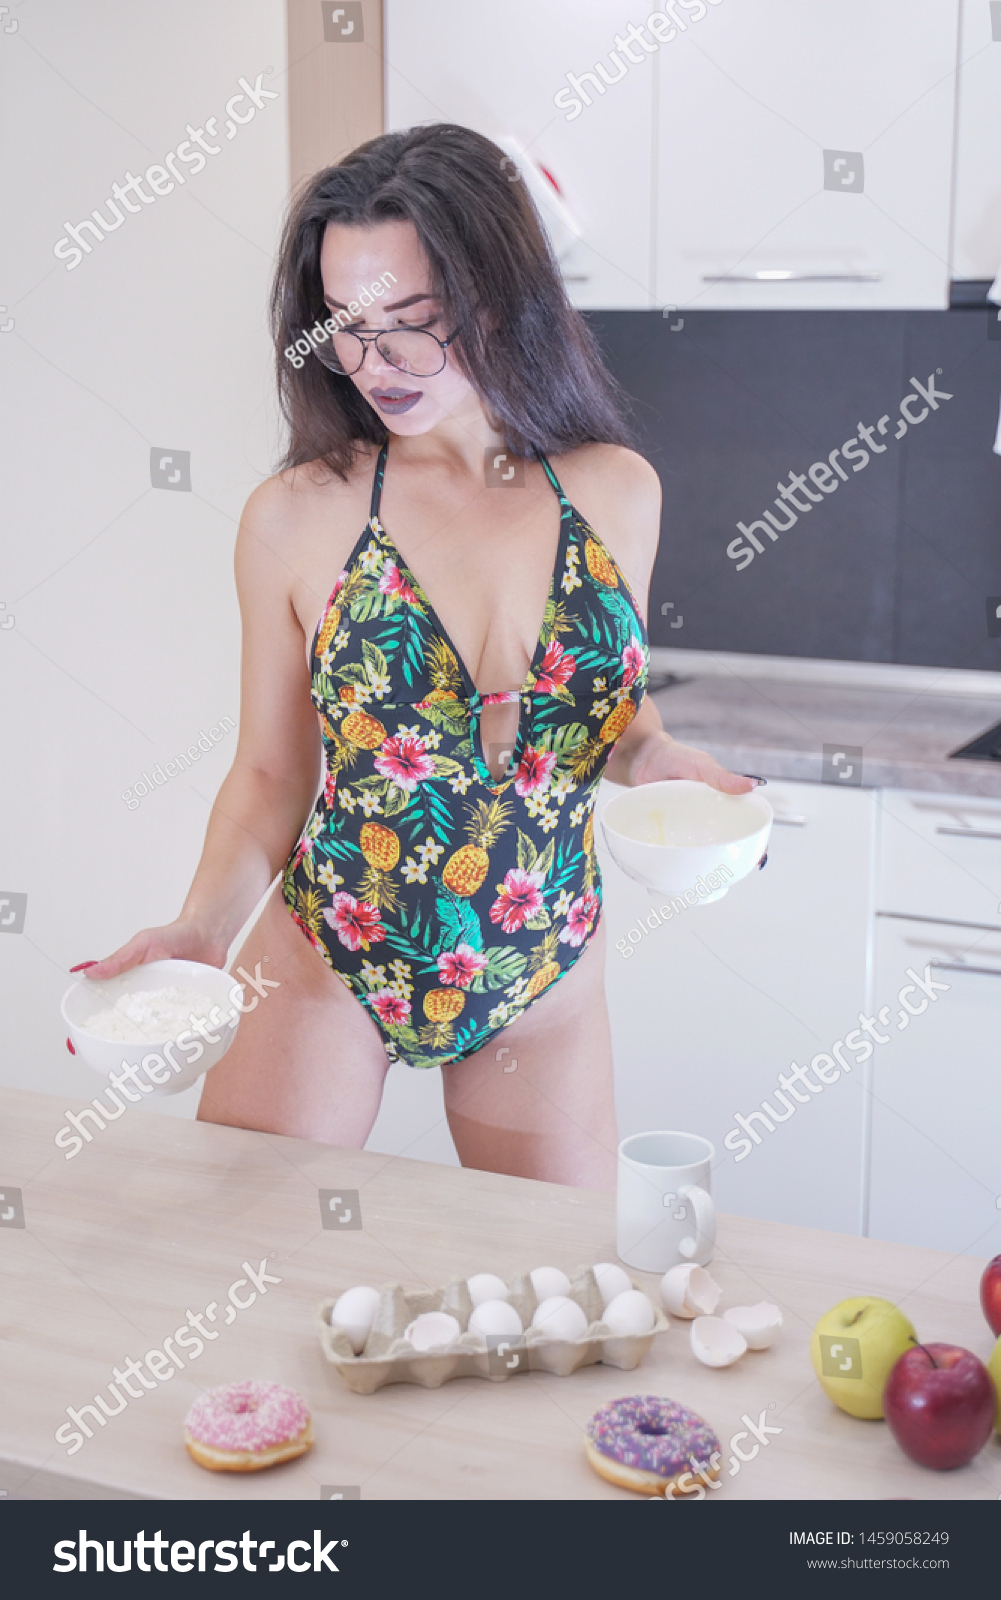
524, 347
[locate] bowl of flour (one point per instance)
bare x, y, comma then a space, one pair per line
155, 1029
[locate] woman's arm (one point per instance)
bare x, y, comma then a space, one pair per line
624, 491
265, 799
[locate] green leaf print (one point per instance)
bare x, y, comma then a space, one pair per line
367, 605
445, 767
397, 800
459, 922
352, 672
375, 661
308, 868
526, 852
538, 920
544, 862
504, 965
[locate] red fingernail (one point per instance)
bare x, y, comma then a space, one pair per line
69, 1046
82, 965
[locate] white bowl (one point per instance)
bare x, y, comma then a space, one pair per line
682, 837
105, 1055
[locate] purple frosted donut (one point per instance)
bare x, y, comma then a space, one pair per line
646, 1433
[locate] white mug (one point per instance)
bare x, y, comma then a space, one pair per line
664, 1213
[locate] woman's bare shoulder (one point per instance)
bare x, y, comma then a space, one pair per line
608, 481
287, 505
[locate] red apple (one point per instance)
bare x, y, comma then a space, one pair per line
940, 1404
990, 1294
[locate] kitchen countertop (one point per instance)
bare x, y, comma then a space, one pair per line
776, 725
156, 1215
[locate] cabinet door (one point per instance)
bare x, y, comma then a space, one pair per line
499, 72
940, 856
709, 1008
751, 98
935, 1158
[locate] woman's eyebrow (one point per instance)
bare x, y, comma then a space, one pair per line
398, 305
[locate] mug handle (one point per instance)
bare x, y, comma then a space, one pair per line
704, 1218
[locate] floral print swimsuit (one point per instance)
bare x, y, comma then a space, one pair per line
447, 900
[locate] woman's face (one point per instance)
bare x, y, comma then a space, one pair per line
388, 256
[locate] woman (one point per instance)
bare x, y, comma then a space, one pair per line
479, 664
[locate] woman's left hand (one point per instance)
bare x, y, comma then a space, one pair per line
660, 757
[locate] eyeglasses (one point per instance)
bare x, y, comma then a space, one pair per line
412, 350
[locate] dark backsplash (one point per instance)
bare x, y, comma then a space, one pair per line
899, 562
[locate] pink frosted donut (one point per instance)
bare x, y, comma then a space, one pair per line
242, 1427
648, 1443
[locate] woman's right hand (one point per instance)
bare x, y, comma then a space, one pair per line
182, 940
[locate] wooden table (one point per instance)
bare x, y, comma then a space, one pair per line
156, 1216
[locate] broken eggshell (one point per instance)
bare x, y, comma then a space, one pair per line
717, 1343
758, 1324
689, 1291
431, 1330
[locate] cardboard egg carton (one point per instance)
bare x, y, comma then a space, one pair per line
389, 1358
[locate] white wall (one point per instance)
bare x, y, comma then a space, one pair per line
125, 642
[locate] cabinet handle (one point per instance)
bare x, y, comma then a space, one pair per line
790, 820
968, 833
959, 966
782, 276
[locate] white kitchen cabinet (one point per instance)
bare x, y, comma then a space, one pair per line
936, 1105
749, 101
499, 72
977, 205
713, 1005
940, 856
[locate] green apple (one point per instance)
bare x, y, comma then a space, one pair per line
853, 1347
994, 1368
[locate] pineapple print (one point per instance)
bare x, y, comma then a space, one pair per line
331, 623
588, 839
381, 849
598, 564
543, 965
308, 903
441, 1007
615, 725
466, 870
368, 732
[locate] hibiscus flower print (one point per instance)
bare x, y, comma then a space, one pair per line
403, 760
393, 582
518, 897
556, 670
580, 919
355, 922
391, 1009
460, 966
535, 770
633, 661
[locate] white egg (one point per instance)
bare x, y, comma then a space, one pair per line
354, 1314
494, 1316
689, 1291
758, 1324
611, 1280
432, 1329
630, 1312
486, 1286
717, 1343
548, 1282
560, 1318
